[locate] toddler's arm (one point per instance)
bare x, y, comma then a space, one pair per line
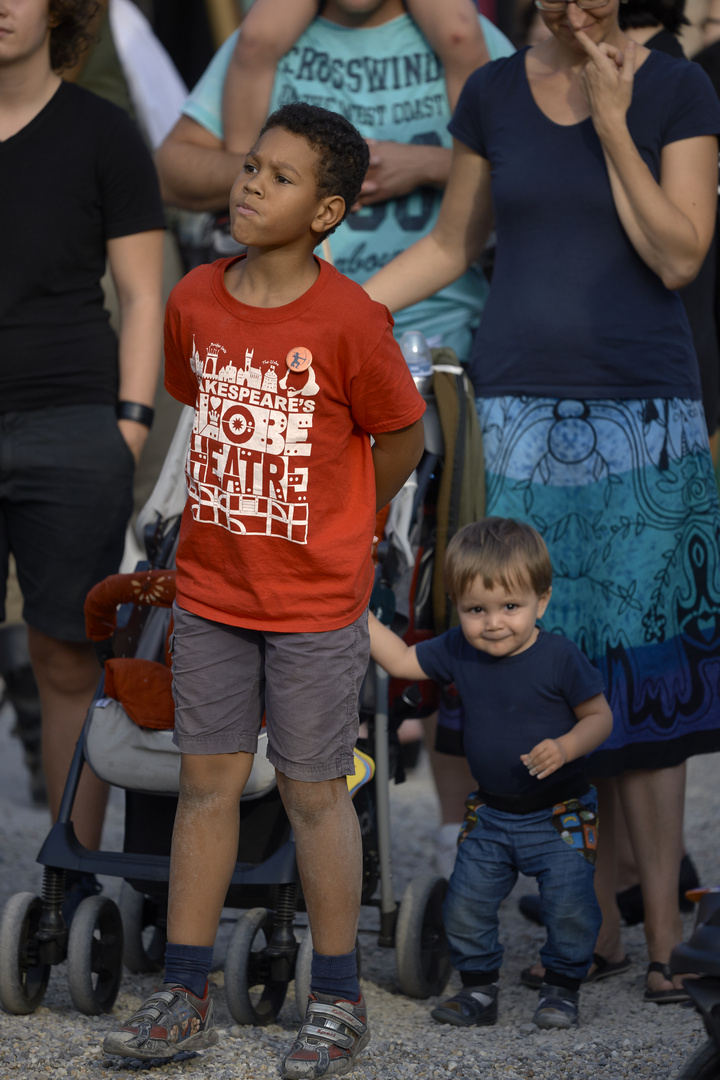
391, 652
453, 30
594, 724
268, 31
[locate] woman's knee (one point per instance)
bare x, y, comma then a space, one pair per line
63, 667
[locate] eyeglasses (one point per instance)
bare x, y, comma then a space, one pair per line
560, 5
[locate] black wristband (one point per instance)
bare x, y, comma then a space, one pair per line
133, 410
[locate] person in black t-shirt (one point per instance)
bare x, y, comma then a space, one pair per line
534, 707
79, 189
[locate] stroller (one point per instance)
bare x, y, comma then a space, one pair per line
264, 955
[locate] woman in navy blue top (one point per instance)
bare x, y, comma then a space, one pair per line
598, 161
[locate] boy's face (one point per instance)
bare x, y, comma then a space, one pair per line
500, 622
274, 202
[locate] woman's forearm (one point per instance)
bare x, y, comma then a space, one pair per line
140, 349
458, 238
136, 264
671, 241
416, 273
671, 223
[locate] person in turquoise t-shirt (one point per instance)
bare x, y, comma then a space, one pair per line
272, 27
378, 69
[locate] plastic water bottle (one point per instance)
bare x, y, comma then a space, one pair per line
416, 351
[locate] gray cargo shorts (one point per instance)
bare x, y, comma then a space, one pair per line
225, 677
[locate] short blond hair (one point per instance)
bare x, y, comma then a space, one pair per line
502, 552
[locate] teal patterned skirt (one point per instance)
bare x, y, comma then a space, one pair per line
624, 494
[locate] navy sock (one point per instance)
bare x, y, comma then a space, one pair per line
479, 978
188, 966
336, 975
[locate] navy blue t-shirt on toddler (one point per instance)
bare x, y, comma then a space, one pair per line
511, 703
573, 310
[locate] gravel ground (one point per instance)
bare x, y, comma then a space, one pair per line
619, 1035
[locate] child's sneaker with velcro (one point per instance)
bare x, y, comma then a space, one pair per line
169, 1022
330, 1037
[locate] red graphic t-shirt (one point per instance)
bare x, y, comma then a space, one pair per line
277, 530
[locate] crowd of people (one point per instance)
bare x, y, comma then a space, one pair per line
394, 138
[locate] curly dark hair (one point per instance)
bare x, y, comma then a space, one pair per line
343, 155
69, 36
667, 13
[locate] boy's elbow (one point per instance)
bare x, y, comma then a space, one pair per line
417, 443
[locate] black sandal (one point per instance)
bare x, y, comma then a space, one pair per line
664, 997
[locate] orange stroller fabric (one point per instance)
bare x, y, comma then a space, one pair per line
156, 587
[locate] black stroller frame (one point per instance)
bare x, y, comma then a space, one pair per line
265, 881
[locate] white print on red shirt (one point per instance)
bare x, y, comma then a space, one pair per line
248, 460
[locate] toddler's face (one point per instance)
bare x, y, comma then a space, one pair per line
500, 622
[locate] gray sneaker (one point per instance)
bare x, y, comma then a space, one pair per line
169, 1022
557, 1007
330, 1037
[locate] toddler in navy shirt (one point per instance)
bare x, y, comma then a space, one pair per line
534, 707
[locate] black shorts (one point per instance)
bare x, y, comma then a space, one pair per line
66, 479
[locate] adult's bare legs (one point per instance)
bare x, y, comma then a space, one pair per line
627, 869
67, 674
610, 824
653, 802
453, 783
452, 776
329, 854
650, 804
204, 843
627, 874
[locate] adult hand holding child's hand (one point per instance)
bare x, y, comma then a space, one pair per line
544, 758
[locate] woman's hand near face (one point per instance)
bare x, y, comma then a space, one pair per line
607, 81
671, 223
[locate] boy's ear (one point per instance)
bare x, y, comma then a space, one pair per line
543, 602
329, 213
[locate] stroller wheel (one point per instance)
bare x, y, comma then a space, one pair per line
95, 951
144, 940
23, 977
303, 968
421, 949
253, 996
704, 1064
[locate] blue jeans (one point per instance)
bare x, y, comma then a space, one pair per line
487, 866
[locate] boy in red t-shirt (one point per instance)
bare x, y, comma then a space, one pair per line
291, 368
